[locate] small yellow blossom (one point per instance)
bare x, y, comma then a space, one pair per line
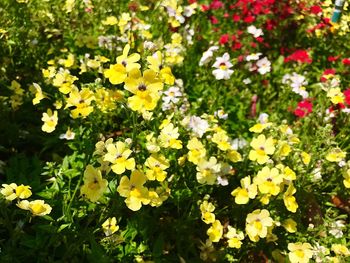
215, 231
340, 249
94, 186
118, 154
110, 21
262, 148
36, 207
157, 165
50, 120
257, 224
234, 237
336, 95
110, 226
305, 157
246, 192
207, 209
268, 181
300, 252
196, 150
9, 191
335, 155
290, 225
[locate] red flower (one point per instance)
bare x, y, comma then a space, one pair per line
214, 20
216, 4
300, 56
249, 19
346, 61
304, 108
224, 39
332, 59
205, 8
315, 9
347, 96
236, 18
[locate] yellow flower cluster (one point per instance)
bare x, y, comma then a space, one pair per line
36, 207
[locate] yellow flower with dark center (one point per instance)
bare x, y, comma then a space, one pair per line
118, 155
257, 224
134, 191
268, 181
156, 64
145, 88
94, 185
110, 226
129, 61
81, 100
262, 148
157, 165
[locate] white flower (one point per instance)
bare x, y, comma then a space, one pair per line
198, 125
223, 65
253, 56
238, 143
221, 114
264, 66
263, 118
173, 94
316, 175
69, 135
207, 55
336, 228
256, 32
247, 81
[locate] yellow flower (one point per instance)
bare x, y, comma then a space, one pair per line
207, 209
290, 225
336, 95
110, 226
262, 147
207, 171
105, 99
23, 191
145, 88
94, 186
222, 140
340, 249
156, 63
289, 200
300, 252
9, 191
116, 74
129, 62
168, 137
118, 154
36, 207
110, 21
257, 223
64, 81
156, 164
248, 190
335, 155
196, 150
346, 180
268, 181
234, 156
67, 63
215, 231
259, 127
50, 121
39, 95
284, 149
234, 237
134, 191
305, 157
81, 100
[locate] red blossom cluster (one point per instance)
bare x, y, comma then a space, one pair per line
299, 55
303, 109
